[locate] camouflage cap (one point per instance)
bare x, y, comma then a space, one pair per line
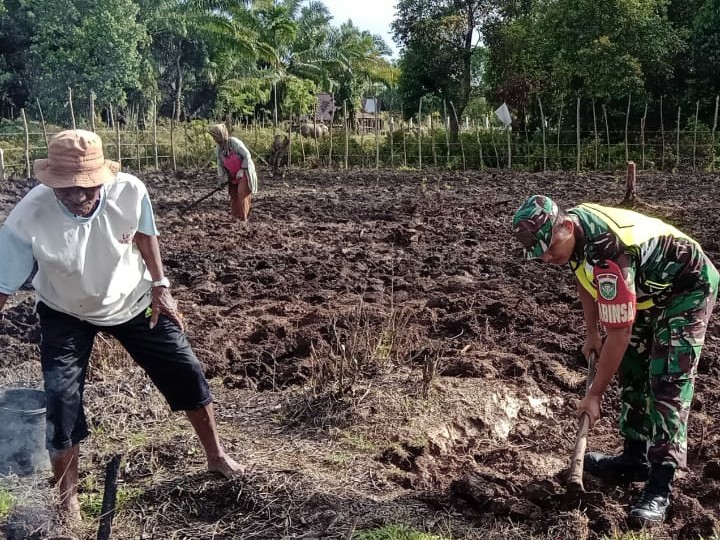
533, 223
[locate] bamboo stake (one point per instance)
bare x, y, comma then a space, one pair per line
462, 147
607, 134
559, 128
315, 133
2, 165
330, 130
697, 111
419, 135
577, 130
92, 110
527, 138
290, 138
447, 134
392, 142
347, 135
377, 134
27, 143
715, 121
172, 139
542, 121
117, 140
155, 148
595, 131
72, 111
642, 134
42, 121
404, 141
433, 146
137, 145
662, 134
677, 143
627, 121
477, 135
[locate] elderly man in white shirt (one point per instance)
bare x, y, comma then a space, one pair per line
90, 230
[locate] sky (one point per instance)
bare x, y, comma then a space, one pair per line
374, 16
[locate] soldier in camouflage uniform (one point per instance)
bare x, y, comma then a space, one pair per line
653, 289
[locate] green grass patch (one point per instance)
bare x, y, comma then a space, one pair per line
395, 532
7, 501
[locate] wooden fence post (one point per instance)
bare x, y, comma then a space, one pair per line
447, 135
627, 121
595, 131
347, 135
330, 130
137, 146
712, 162
462, 146
477, 135
677, 142
42, 121
577, 129
662, 134
117, 141
559, 131
28, 172
172, 139
72, 111
392, 141
419, 135
697, 111
92, 110
607, 134
433, 145
542, 122
155, 148
377, 133
642, 134
630, 189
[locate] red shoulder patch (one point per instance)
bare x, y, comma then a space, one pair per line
616, 302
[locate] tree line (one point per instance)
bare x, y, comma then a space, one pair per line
269, 58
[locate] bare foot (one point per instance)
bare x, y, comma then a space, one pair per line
226, 466
69, 511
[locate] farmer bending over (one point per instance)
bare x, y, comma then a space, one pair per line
236, 169
91, 231
652, 288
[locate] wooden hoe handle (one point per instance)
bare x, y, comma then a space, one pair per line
575, 481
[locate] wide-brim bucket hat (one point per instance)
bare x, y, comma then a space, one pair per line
75, 159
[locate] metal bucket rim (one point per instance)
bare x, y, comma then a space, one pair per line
41, 410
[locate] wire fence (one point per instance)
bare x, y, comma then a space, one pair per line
389, 141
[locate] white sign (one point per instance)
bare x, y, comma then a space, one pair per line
503, 113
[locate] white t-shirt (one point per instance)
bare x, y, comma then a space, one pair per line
86, 267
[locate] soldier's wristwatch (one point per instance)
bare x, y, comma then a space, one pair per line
164, 282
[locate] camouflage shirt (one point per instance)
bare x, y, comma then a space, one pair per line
657, 260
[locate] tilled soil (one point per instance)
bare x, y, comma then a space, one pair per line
381, 354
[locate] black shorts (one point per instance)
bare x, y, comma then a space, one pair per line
65, 345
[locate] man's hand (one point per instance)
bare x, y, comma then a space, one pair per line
163, 302
590, 405
592, 343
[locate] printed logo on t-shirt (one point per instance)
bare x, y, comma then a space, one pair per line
125, 238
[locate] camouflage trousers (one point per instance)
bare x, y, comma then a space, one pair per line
657, 373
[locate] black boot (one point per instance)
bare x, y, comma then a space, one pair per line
655, 498
630, 466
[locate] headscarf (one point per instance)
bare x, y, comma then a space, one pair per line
220, 132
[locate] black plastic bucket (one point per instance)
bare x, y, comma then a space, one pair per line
22, 431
